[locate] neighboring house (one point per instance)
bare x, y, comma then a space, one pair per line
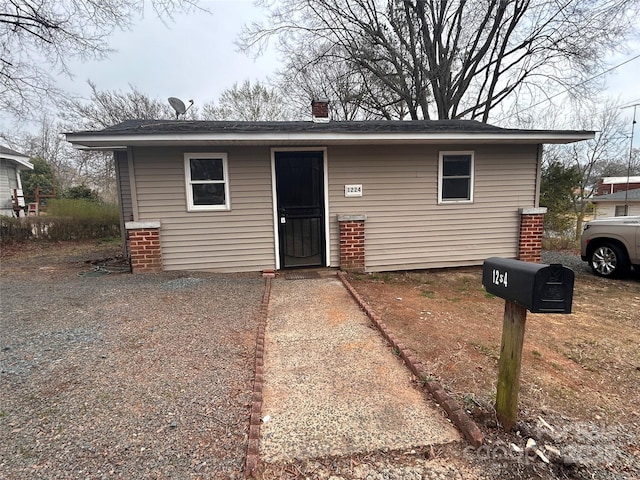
617, 204
607, 185
369, 196
11, 163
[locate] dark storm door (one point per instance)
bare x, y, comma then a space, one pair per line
300, 198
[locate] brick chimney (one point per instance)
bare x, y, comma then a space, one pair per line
320, 110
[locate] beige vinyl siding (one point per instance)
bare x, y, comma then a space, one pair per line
608, 209
604, 210
238, 240
405, 226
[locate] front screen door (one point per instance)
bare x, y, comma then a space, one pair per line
300, 198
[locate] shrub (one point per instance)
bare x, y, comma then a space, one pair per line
81, 192
65, 219
559, 241
75, 219
14, 229
83, 209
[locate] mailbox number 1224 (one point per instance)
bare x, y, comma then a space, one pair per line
499, 278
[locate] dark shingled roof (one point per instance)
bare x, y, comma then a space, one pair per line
376, 126
612, 197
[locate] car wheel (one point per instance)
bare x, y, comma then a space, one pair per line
609, 260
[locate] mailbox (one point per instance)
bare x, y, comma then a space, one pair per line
537, 287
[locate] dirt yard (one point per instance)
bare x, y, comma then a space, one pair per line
580, 381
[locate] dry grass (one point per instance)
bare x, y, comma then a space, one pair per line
579, 371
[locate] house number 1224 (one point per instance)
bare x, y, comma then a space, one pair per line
499, 278
353, 190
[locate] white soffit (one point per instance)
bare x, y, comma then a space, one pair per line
89, 140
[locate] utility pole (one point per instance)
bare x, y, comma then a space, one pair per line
633, 126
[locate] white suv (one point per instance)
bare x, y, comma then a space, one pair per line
611, 245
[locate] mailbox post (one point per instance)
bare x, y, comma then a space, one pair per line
524, 286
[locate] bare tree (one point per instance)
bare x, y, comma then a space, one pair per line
621, 167
47, 144
591, 158
106, 108
248, 102
39, 37
453, 58
69, 167
355, 94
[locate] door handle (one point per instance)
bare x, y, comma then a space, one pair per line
283, 219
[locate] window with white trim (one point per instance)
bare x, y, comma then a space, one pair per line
207, 181
621, 211
455, 177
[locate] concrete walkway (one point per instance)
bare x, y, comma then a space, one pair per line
331, 384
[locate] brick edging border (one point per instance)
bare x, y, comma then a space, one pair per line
456, 414
253, 442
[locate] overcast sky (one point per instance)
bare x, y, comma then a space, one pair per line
194, 57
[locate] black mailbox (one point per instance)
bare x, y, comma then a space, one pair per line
537, 287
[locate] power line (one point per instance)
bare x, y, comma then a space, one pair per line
572, 87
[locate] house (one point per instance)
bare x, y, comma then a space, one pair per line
617, 204
362, 195
607, 185
11, 198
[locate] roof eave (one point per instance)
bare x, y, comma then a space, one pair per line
22, 161
615, 200
102, 141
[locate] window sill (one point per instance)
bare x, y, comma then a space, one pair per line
209, 208
455, 202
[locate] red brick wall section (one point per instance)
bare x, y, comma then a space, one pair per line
352, 245
530, 245
607, 188
144, 249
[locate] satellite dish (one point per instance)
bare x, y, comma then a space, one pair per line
179, 106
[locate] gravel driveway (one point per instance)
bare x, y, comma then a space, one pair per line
569, 259
120, 375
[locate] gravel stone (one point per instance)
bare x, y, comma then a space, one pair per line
124, 376
567, 258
